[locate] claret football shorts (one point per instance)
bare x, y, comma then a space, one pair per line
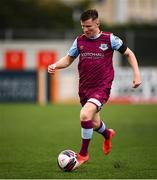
95, 96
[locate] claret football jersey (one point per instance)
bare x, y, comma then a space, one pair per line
95, 59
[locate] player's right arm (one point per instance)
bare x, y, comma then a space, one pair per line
66, 60
62, 63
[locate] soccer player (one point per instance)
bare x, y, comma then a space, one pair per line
95, 50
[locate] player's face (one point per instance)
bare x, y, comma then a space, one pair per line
90, 27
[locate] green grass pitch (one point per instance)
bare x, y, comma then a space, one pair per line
31, 137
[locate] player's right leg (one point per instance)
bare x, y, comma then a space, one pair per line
86, 115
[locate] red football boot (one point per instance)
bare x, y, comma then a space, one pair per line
107, 142
81, 160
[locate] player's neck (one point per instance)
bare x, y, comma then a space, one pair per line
97, 34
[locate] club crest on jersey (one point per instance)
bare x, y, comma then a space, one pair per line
103, 47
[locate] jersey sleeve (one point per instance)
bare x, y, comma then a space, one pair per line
116, 42
73, 51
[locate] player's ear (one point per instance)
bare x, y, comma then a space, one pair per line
98, 23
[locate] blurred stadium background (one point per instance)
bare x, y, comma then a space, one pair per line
35, 33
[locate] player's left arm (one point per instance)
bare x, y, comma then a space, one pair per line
134, 64
117, 44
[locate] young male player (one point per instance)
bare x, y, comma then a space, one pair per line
95, 50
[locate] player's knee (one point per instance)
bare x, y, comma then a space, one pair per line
84, 115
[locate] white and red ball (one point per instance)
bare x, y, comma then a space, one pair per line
67, 160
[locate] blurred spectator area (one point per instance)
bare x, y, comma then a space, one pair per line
35, 33
135, 21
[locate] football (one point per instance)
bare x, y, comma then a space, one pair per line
67, 160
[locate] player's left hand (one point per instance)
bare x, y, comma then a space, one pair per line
136, 83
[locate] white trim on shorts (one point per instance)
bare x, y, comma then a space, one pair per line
96, 102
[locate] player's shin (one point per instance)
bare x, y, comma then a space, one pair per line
103, 130
86, 132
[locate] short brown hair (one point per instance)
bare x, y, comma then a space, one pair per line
89, 14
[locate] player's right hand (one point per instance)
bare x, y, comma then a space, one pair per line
51, 68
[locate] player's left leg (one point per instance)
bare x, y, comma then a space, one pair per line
99, 97
100, 127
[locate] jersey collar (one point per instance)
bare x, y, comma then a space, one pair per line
96, 36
